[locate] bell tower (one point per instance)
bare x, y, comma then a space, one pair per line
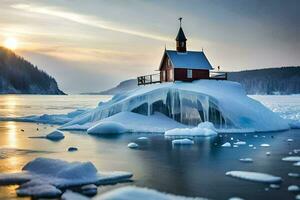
180, 39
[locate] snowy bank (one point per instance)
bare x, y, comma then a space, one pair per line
45, 177
223, 103
204, 129
136, 193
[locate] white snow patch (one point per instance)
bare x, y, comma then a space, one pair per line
291, 158
45, 176
132, 145
108, 127
268, 153
55, 135
254, 176
136, 193
204, 129
182, 142
290, 140
240, 143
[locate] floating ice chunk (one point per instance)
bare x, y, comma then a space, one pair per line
136, 193
231, 139
240, 143
104, 128
72, 149
274, 186
248, 160
291, 158
227, 144
264, 145
143, 138
296, 151
182, 141
268, 153
42, 190
132, 145
290, 140
235, 198
254, 176
55, 135
297, 164
296, 175
45, 174
89, 190
235, 146
250, 145
203, 129
69, 195
298, 195
293, 188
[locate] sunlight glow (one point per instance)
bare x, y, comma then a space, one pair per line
11, 43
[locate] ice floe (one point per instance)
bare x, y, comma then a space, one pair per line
132, 145
240, 143
264, 145
204, 129
274, 186
44, 177
108, 127
248, 160
297, 164
55, 135
226, 144
295, 175
293, 188
143, 138
184, 141
291, 158
254, 176
137, 193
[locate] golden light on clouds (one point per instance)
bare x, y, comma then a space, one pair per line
11, 43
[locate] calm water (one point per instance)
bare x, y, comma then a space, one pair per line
197, 170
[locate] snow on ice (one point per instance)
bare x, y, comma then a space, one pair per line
45, 177
132, 145
291, 159
248, 160
104, 128
227, 144
203, 129
254, 176
293, 188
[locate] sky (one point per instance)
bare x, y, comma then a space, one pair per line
91, 45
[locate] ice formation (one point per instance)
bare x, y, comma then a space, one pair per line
55, 135
226, 144
132, 145
293, 188
106, 127
248, 160
203, 129
182, 142
240, 143
45, 177
254, 176
136, 193
222, 103
292, 159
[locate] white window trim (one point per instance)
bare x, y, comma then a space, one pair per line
189, 73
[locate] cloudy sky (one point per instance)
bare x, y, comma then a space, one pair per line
91, 45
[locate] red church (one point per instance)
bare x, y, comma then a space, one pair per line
182, 65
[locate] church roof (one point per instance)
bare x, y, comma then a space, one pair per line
180, 35
189, 60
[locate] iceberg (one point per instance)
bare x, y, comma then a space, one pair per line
45, 177
223, 103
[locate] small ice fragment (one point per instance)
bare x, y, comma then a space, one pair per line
254, 147
268, 153
293, 188
274, 186
297, 164
182, 141
132, 145
248, 160
263, 136
254, 176
290, 140
296, 151
235, 146
266, 189
227, 144
264, 145
250, 145
143, 138
255, 136
55, 135
203, 129
296, 175
298, 197
291, 159
231, 138
235, 198
240, 143
72, 149
290, 153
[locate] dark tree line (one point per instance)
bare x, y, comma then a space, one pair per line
284, 80
17, 74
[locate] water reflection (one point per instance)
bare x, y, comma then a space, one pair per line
11, 127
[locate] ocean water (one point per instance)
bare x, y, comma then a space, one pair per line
196, 170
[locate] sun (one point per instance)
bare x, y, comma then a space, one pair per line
11, 43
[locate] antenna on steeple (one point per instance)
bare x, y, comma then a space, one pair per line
180, 18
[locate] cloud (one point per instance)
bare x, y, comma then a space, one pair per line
86, 20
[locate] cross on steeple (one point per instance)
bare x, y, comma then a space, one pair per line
180, 18
180, 39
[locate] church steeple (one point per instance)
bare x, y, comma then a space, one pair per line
180, 39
